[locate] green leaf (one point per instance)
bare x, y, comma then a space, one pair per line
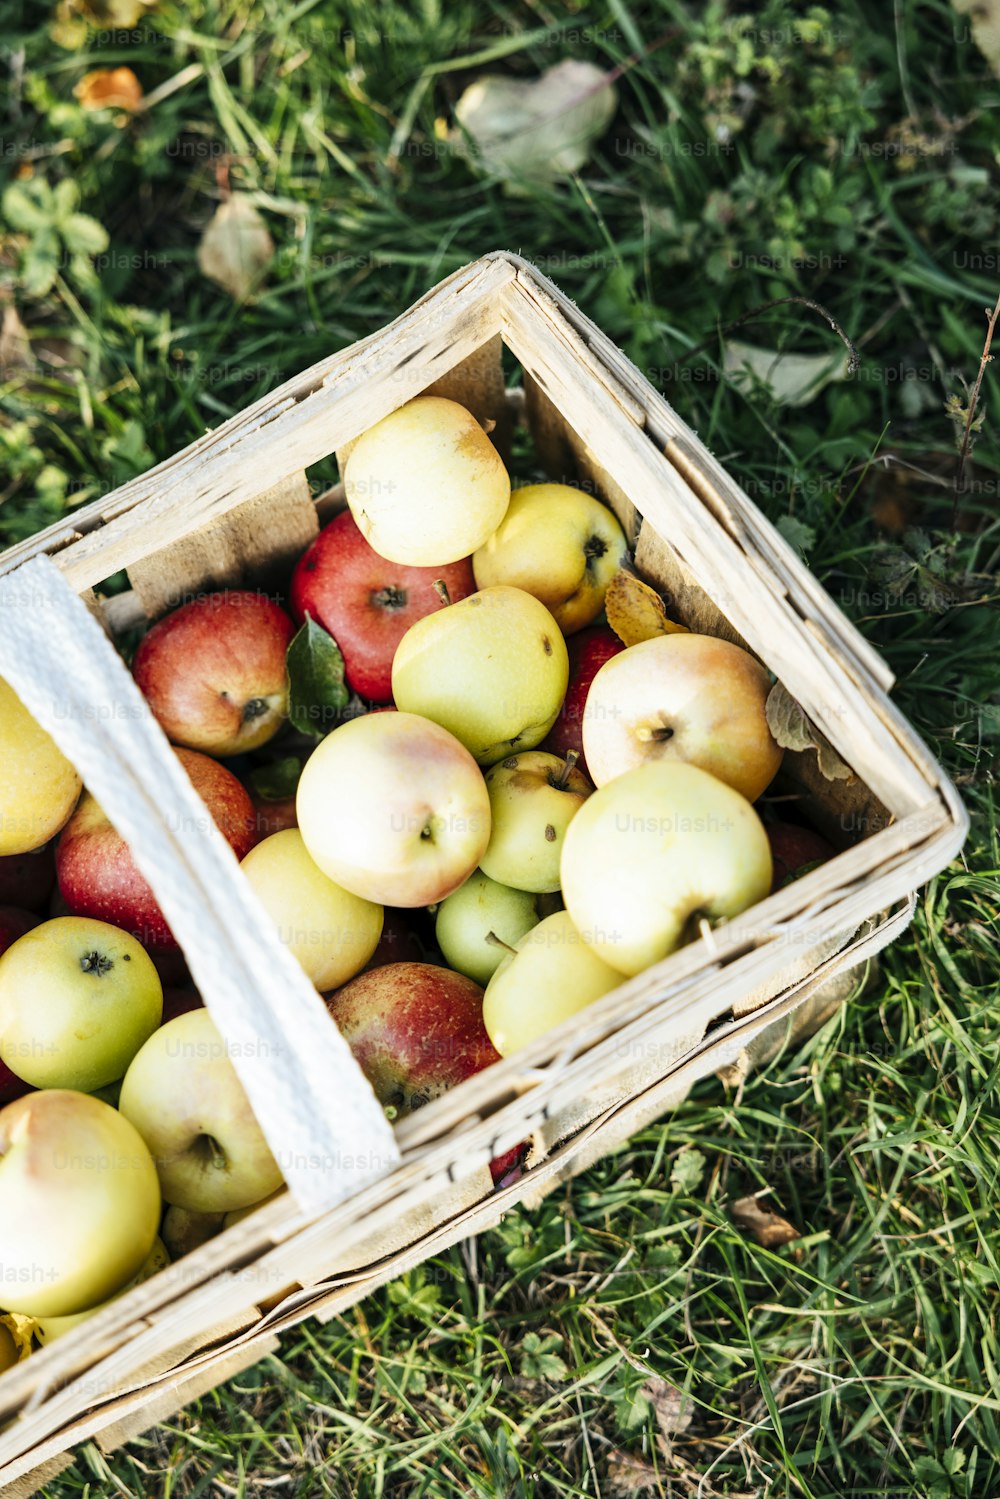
317, 692
538, 1359
84, 235
800, 537
28, 208
278, 780
688, 1170
65, 197
40, 265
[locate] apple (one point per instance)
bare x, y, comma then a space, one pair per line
367, 603
38, 785
214, 673
184, 1231
559, 544
273, 814
550, 974
77, 1000
683, 698
425, 484
654, 852
399, 942
508, 1168
331, 932
98, 876
795, 851
394, 809
180, 1001
415, 1030
26, 880
48, 1329
533, 797
79, 1203
492, 669
471, 913
588, 650
14, 924
182, 1093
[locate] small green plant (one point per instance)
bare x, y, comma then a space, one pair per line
57, 235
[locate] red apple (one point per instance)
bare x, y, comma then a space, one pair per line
26, 880
508, 1168
588, 650
11, 1086
214, 673
98, 876
14, 924
367, 603
415, 1029
273, 816
794, 851
180, 1002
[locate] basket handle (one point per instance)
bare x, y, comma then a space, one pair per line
321, 1118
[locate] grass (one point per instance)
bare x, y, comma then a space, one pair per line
849, 157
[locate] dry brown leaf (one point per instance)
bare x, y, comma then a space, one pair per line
236, 247
109, 88
768, 1228
786, 718
635, 611
984, 17
671, 1407
630, 1474
15, 346
20, 1330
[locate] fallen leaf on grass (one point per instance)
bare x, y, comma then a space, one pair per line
635, 611
74, 18
15, 346
984, 16
790, 379
769, 1229
538, 131
630, 1474
670, 1406
236, 247
109, 88
786, 718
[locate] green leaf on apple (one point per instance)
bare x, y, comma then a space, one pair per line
278, 780
317, 693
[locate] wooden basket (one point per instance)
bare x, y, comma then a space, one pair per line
367, 1202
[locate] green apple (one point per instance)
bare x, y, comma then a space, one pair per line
491, 669
533, 798
79, 1203
47, 1329
559, 544
476, 909
38, 785
78, 998
185, 1098
654, 852
184, 1231
425, 484
551, 974
393, 808
331, 932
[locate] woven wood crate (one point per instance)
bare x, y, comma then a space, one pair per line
367, 1203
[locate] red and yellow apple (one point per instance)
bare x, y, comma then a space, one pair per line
425, 484
795, 851
79, 1203
491, 669
588, 650
214, 673
38, 785
653, 852
98, 875
559, 544
367, 603
691, 699
394, 809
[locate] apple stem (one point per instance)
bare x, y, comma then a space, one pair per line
440, 587
495, 941
646, 735
572, 756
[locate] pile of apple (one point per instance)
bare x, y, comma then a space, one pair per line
513, 801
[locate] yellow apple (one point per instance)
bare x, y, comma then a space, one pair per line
533, 797
79, 1203
551, 975
78, 998
559, 544
655, 850
38, 786
394, 809
491, 669
47, 1329
690, 699
425, 484
184, 1096
331, 932
475, 910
